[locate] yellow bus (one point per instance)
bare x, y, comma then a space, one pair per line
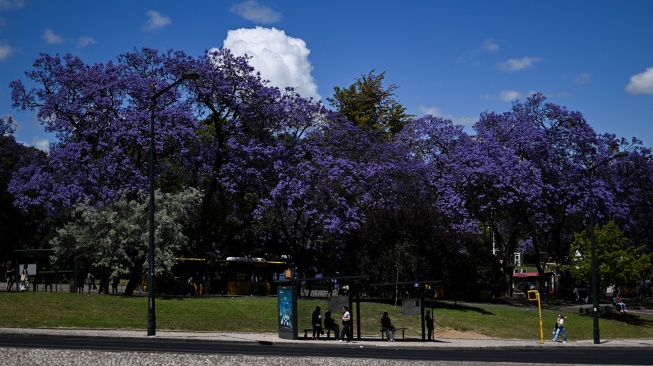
251, 276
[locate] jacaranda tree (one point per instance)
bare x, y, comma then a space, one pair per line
237, 140
364, 188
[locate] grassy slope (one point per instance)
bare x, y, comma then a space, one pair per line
257, 314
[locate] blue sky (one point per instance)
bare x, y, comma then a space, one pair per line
454, 59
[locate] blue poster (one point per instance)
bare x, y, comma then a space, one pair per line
287, 296
285, 309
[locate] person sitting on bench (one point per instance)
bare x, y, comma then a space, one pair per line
620, 304
386, 325
330, 324
316, 321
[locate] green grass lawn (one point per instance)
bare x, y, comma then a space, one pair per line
259, 314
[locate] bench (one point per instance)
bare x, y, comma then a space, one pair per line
306, 330
396, 329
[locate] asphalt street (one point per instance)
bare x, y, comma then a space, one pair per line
21, 346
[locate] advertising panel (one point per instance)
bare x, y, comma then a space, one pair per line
287, 303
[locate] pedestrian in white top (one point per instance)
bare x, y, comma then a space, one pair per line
561, 329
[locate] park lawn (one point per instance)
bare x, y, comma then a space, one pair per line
259, 314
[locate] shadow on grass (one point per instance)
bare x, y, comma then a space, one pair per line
165, 297
460, 307
630, 319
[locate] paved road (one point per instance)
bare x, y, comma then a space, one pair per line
113, 347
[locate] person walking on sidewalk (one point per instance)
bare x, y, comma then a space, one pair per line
561, 329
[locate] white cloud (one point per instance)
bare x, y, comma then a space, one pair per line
584, 78
155, 21
9, 4
255, 12
435, 111
281, 59
6, 51
509, 95
471, 57
41, 144
51, 38
641, 83
37, 142
518, 64
490, 45
85, 41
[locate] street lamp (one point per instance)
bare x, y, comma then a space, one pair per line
151, 314
595, 291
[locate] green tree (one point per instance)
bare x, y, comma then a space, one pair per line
114, 239
617, 260
369, 105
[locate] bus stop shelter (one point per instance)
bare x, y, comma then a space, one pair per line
355, 285
421, 290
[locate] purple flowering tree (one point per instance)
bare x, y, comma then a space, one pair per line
100, 116
559, 147
471, 184
248, 130
233, 137
325, 185
635, 176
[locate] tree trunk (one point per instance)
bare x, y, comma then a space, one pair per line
134, 280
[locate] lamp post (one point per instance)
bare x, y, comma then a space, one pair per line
595, 291
151, 314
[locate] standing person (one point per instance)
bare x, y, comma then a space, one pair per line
577, 299
316, 321
253, 284
115, 279
387, 327
346, 325
9, 275
80, 284
191, 286
24, 279
199, 289
429, 324
330, 324
561, 329
329, 289
89, 282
